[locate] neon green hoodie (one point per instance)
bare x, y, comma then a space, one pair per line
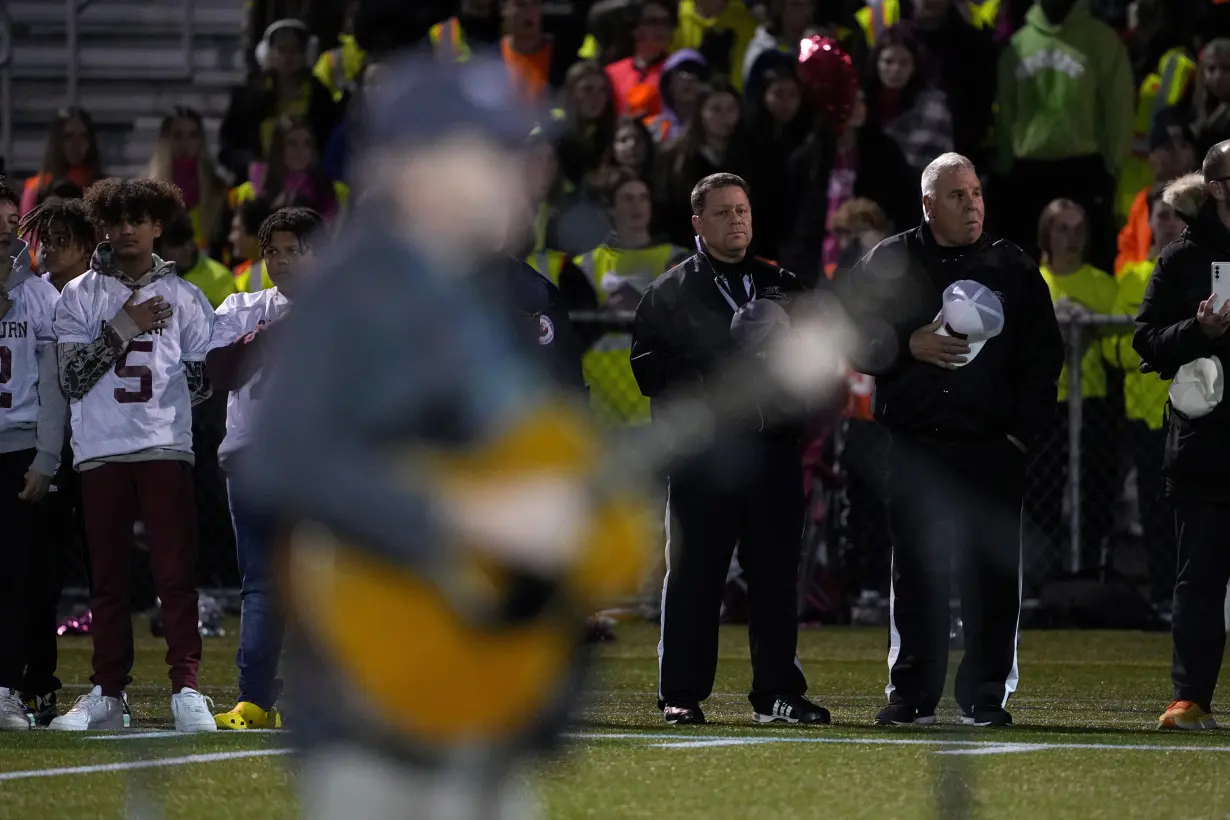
1065, 91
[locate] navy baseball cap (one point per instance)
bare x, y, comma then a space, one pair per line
422, 99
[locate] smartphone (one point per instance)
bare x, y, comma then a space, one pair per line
1221, 284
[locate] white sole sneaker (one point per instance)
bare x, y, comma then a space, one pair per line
109, 725
14, 723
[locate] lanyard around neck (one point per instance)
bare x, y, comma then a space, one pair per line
749, 287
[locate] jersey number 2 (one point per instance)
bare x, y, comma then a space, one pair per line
143, 374
6, 374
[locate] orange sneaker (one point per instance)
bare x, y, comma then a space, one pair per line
1184, 714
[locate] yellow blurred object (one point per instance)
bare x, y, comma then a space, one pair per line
459, 667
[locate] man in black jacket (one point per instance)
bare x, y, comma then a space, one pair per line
962, 417
745, 489
1180, 323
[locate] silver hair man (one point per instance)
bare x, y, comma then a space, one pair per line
943, 164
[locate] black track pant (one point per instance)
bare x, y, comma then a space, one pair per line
954, 511
1199, 629
17, 521
762, 513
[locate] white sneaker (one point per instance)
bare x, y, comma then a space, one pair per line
91, 713
193, 712
13, 714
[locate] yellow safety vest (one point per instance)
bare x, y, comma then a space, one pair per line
448, 40
548, 263
1144, 394
214, 279
1175, 72
878, 16
1095, 290
338, 69
244, 282
614, 395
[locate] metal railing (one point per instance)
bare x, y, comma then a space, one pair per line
73, 9
6, 82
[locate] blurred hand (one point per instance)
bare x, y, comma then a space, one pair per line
942, 351
1213, 322
152, 314
36, 487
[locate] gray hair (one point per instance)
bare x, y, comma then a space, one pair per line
943, 164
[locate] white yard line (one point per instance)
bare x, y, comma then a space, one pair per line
681, 741
149, 734
186, 760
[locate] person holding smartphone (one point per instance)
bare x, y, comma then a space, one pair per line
1181, 326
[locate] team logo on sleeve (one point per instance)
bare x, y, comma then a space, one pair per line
546, 330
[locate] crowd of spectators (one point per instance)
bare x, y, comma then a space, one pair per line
1074, 111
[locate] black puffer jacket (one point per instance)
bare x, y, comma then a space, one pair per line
1008, 389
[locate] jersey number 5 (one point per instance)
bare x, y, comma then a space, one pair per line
143, 374
6, 375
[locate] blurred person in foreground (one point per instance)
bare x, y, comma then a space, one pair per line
745, 490
132, 338
1181, 334
959, 333
238, 349
32, 413
446, 537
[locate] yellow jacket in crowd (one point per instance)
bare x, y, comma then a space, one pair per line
613, 391
880, 15
692, 28
339, 69
1144, 394
213, 278
1094, 290
1176, 71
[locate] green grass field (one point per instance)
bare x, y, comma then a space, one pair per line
1083, 747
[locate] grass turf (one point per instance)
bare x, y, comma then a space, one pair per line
1079, 691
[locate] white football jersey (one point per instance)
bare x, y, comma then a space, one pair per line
28, 326
239, 315
143, 402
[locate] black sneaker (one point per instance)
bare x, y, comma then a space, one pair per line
903, 714
42, 708
683, 715
794, 709
984, 716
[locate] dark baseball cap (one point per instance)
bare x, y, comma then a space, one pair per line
422, 99
1169, 125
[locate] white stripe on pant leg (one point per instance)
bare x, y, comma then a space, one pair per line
665, 580
1014, 674
894, 637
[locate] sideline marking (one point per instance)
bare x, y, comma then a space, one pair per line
976, 746
149, 734
142, 764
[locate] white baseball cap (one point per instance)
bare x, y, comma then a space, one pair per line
971, 312
1198, 387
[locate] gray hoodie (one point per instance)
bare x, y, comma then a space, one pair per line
38, 299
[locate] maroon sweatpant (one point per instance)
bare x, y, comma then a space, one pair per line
159, 493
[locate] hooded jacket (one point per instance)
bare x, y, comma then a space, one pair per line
1065, 91
1168, 336
665, 125
32, 408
